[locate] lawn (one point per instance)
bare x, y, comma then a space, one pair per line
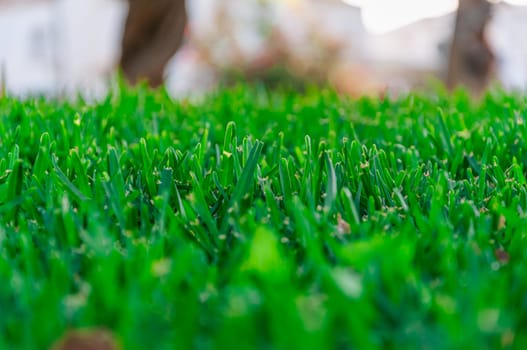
265, 219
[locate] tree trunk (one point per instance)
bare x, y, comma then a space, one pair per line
153, 33
471, 59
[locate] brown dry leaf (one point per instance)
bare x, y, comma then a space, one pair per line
507, 338
343, 226
502, 256
88, 339
502, 222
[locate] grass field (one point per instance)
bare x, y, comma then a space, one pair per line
272, 220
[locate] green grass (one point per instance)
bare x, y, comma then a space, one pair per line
257, 219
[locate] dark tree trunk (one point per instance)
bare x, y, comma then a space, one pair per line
471, 59
153, 33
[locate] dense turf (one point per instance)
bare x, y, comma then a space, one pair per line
258, 219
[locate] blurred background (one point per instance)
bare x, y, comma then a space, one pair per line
63, 47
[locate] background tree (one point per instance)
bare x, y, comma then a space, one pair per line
153, 33
471, 59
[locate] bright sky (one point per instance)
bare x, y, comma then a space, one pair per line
381, 16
